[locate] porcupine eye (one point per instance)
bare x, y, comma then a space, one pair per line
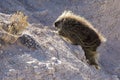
57, 24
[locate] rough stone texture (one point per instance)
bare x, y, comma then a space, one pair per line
56, 59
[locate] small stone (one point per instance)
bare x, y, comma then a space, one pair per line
20, 49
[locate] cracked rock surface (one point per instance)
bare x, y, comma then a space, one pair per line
56, 59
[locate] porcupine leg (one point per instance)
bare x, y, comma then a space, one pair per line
71, 38
91, 56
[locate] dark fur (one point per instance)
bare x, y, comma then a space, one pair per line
79, 33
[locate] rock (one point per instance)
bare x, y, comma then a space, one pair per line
56, 59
